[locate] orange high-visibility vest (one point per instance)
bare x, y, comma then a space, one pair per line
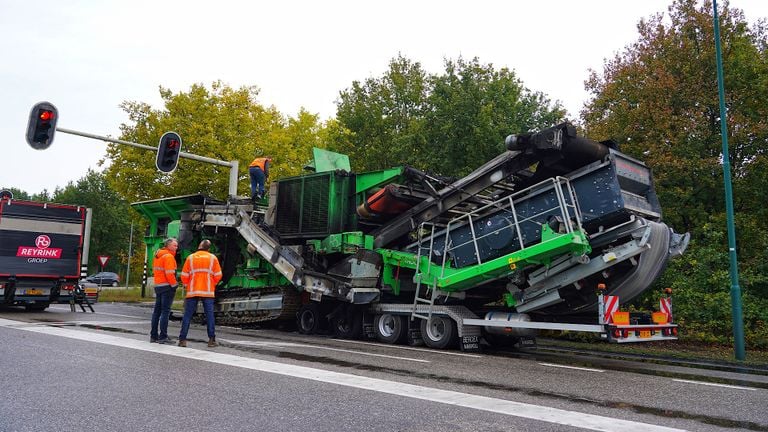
200, 274
164, 268
260, 162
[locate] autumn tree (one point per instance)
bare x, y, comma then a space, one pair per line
658, 98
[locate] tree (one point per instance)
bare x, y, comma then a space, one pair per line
18, 193
473, 107
385, 118
220, 123
111, 219
658, 98
449, 123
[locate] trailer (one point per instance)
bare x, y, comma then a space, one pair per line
554, 233
43, 247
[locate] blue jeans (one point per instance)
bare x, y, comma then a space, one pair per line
257, 180
190, 307
163, 300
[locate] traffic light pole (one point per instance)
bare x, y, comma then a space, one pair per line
233, 165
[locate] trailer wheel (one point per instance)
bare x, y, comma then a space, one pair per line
438, 332
390, 328
499, 341
308, 319
348, 324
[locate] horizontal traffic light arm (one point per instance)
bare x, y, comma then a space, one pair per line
233, 165
146, 147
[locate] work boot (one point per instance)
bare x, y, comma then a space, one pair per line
152, 340
182, 343
212, 342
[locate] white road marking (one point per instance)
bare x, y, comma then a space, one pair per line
105, 313
428, 350
300, 345
714, 384
466, 400
64, 323
571, 367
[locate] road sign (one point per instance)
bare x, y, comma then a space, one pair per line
103, 260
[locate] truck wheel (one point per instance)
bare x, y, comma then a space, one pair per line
438, 332
308, 319
390, 328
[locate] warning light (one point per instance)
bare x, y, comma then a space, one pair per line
168, 151
42, 125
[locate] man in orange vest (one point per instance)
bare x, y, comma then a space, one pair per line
258, 170
200, 274
164, 269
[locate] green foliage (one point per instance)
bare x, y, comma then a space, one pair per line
659, 100
472, 108
111, 221
384, 118
449, 123
19, 194
220, 123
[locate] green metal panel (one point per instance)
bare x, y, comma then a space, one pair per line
314, 205
326, 160
366, 181
453, 279
256, 273
346, 243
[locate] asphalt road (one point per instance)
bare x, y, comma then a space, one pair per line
67, 371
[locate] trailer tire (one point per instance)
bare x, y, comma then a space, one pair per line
390, 328
348, 324
308, 319
439, 332
500, 342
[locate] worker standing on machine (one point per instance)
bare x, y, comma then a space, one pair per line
258, 170
200, 275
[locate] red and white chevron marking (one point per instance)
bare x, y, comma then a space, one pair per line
665, 305
611, 306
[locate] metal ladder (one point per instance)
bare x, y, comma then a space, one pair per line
418, 277
431, 289
78, 298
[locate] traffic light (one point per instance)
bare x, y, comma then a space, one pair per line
42, 125
168, 150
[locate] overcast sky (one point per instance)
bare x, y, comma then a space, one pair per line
86, 57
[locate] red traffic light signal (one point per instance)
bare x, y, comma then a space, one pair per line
42, 125
168, 151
